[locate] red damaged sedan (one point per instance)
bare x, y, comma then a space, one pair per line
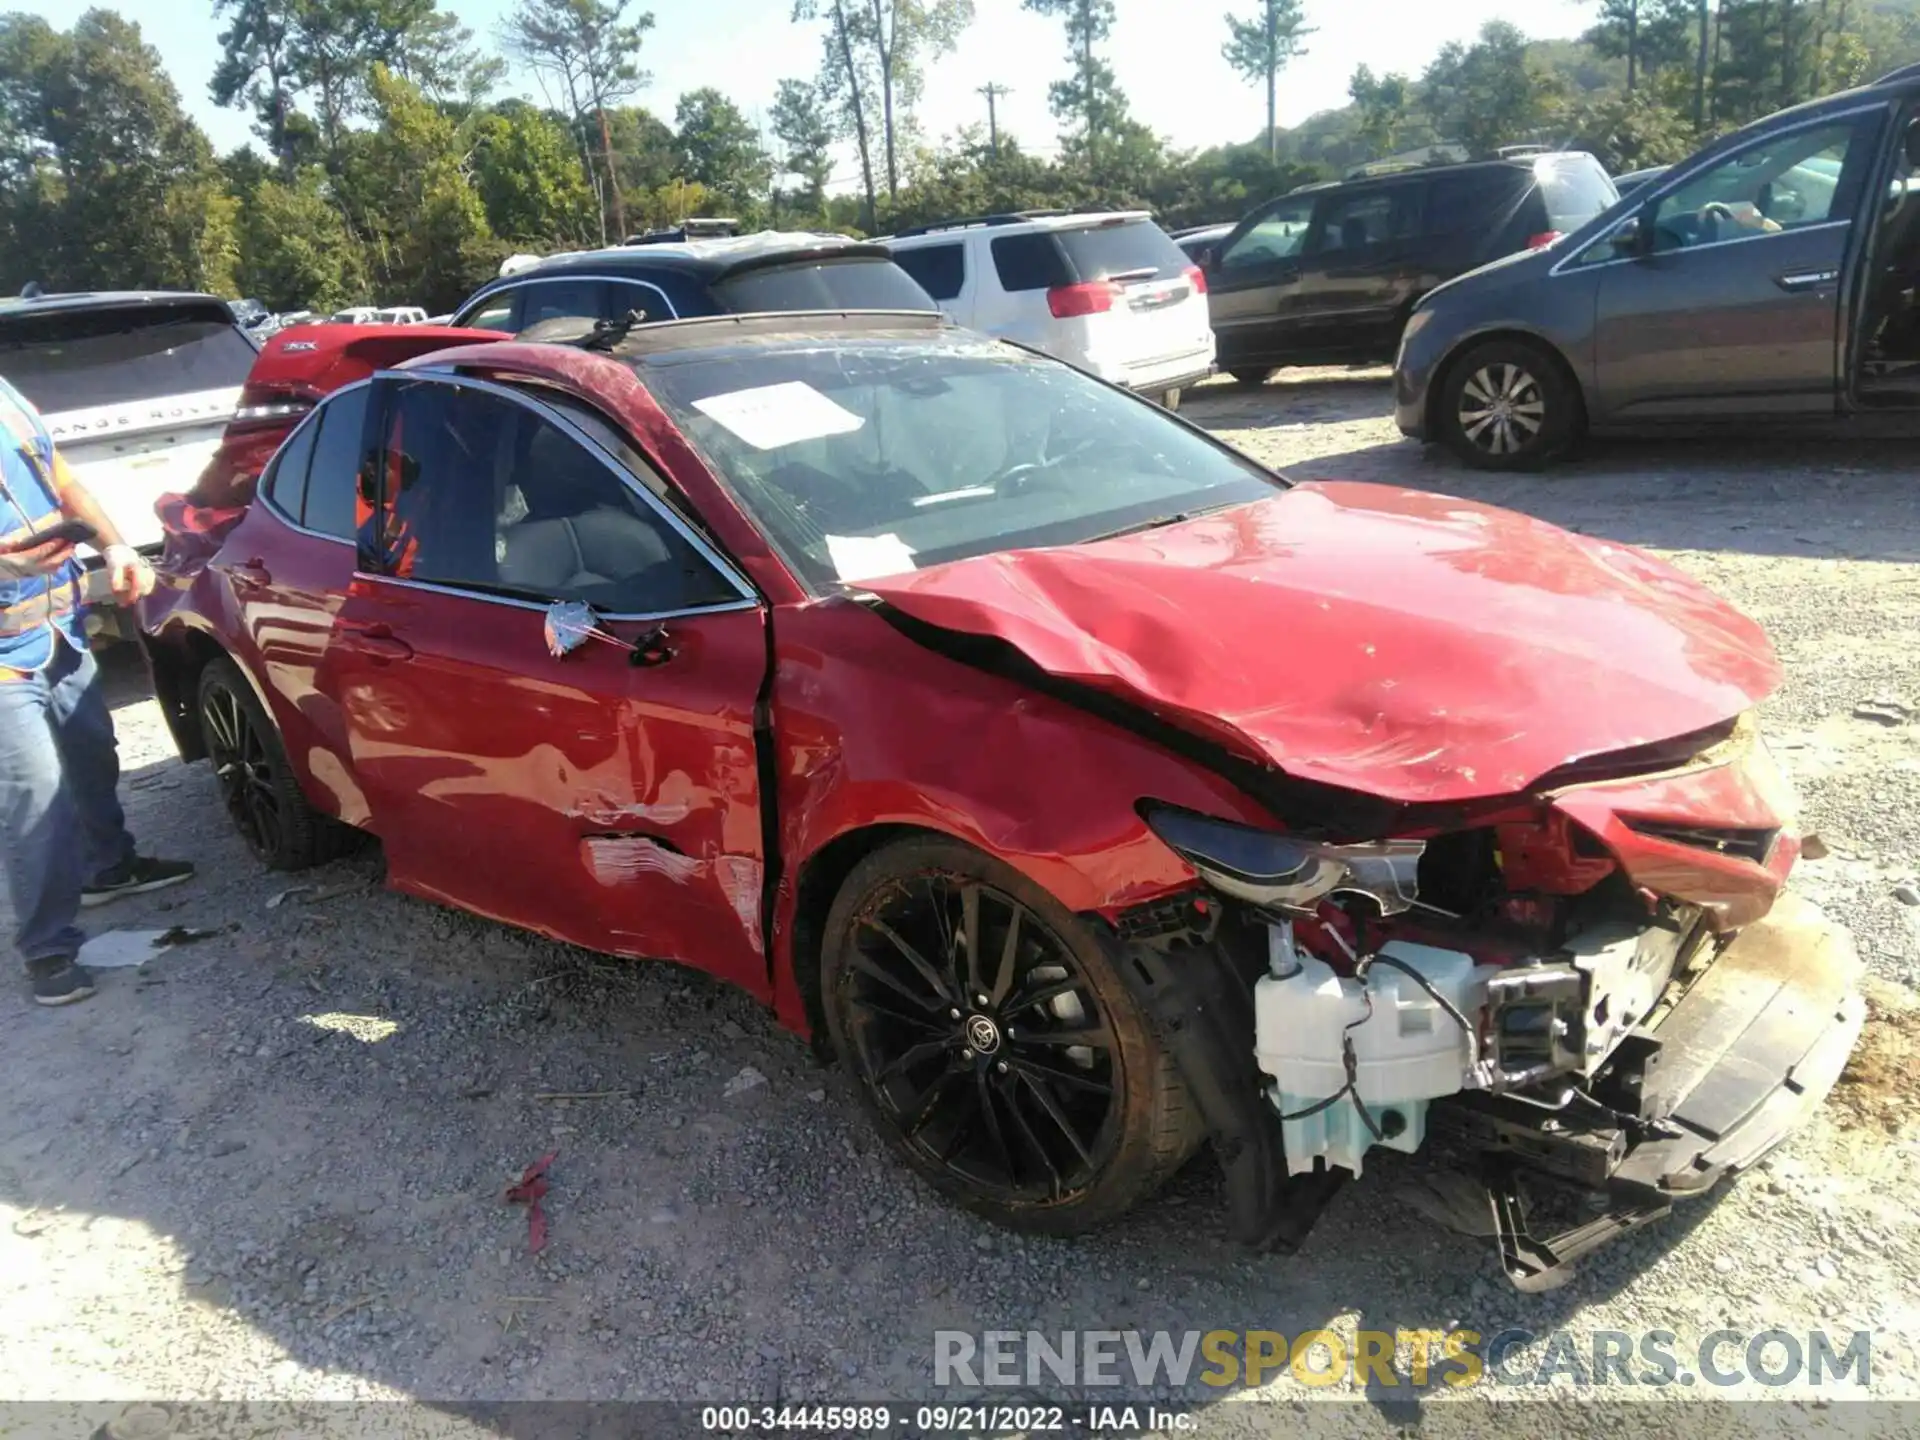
1095, 793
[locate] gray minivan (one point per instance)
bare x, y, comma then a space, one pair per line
1773, 276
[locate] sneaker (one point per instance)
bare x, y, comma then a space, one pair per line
60, 982
136, 877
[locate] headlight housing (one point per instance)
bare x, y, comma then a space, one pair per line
1286, 872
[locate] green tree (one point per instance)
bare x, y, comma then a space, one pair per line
1092, 97
848, 82
590, 49
106, 182
423, 225
1490, 93
901, 35
721, 150
1382, 102
1260, 48
527, 172
295, 252
803, 126
1628, 131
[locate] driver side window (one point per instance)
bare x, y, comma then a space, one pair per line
1804, 177
1278, 235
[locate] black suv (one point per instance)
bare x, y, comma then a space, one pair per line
1329, 273
698, 277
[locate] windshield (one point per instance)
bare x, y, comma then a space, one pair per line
823, 285
874, 458
82, 358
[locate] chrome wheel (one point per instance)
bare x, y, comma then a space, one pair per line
1503, 409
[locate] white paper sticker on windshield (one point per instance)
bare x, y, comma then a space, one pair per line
770, 416
867, 557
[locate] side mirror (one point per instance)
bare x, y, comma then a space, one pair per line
1629, 237
1913, 145
1203, 256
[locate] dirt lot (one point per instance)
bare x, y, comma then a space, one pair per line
271, 1167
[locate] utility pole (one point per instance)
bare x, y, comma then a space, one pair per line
993, 94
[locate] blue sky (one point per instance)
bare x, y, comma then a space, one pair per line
1166, 53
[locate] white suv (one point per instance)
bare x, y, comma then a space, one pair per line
1110, 293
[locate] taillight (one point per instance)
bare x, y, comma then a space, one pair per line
1197, 278
1543, 239
262, 408
1094, 297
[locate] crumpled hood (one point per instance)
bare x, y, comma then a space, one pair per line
1408, 645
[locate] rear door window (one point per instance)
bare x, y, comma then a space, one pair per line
1033, 261
76, 360
334, 477
940, 269
493, 313
1135, 249
823, 285
1362, 219
626, 296
560, 300
286, 482
1575, 189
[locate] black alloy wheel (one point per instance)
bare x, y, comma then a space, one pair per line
257, 785
1000, 1057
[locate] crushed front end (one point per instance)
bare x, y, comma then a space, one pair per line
1598, 987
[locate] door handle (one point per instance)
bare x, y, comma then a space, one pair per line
1801, 280
378, 643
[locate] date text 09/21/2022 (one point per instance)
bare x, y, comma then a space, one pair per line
942, 1419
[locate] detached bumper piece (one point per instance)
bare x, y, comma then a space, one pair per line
1747, 1047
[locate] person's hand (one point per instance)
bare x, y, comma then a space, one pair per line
46, 558
128, 573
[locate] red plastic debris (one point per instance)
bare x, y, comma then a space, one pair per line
533, 1185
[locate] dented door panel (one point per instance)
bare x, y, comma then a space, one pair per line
609, 805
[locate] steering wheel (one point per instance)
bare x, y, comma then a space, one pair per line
1030, 474
1715, 214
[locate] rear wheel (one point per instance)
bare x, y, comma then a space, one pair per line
1170, 400
1508, 405
994, 1046
257, 783
1255, 375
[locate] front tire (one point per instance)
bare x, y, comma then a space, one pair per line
1170, 400
257, 784
993, 1044
1508, 405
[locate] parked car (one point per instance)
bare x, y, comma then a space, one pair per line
1107, 292
1199, 241
1329, 275
294, 369
768, 271
137, 388
251, 315
1769, 278
900, 676
1638, 179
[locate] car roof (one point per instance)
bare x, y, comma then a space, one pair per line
707, 260
707, 336
82, 300
1023, 222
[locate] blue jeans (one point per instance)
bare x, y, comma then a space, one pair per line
61, 826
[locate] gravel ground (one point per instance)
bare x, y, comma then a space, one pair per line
271, 1166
